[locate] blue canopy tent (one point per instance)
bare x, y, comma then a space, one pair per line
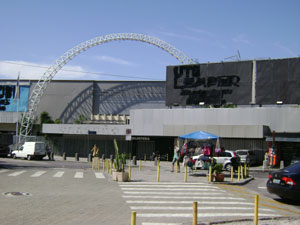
199, 135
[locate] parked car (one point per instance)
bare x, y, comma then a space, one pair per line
285, 182
296, 160
227, 158
247, 156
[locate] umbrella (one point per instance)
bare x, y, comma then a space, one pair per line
199, 135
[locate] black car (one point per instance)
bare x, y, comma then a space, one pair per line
285, 182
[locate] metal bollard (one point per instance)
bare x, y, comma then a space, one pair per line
209, 174
242, 173
185, 174
256, 210
195, 213
64, 156
103, 162
134, 160
281, 164
245, 171
158, 173
107, 163
129, 173
111, 166
239, 173
52, 156
98, 159
76, 157
133, 218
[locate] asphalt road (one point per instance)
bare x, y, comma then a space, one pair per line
258, 185
70, 192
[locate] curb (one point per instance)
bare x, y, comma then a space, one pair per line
243, 182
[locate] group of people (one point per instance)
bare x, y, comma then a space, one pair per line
188, 149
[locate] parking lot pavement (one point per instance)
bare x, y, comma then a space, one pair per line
79, 196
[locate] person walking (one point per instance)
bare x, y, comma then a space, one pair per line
95, 151
95, 154
176, 157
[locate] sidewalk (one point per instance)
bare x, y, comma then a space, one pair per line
148, 173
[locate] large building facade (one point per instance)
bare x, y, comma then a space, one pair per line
146, 116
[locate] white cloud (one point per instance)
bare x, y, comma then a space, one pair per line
241, 38
34, 71
181, 36
115, 60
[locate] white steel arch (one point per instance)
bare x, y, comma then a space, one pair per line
38, 91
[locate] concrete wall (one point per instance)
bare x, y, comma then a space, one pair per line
250, 122
83, 129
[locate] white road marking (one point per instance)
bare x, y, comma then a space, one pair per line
78, 175
262, 187
191, 208
59, 174
16, 173
99, 175
181, 183
182, 197
172, 189
201, 215
162, 224
169, 186
38, 174
172, 193
188, 202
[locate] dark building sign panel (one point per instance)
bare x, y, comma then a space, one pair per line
260, 82
212, 84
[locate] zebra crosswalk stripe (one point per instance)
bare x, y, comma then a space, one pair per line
161, 223
78, 175
200, 215
99, 175
169, 201
208, 197
190, 208
58, 174
16, 173
38, 174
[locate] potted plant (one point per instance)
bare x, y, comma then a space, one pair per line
119, 173
217, 170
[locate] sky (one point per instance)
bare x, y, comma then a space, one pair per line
35, 33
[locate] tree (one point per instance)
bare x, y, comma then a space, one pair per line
45, 118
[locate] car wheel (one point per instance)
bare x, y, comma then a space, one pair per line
29, 157
228, 167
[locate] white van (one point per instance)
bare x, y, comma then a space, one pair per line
31, 150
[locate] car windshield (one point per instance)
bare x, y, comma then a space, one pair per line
293, 168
